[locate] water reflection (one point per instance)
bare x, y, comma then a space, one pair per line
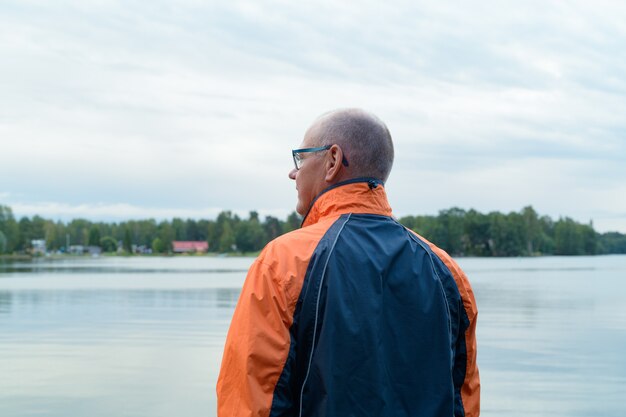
144, 337
547, 335
90, 316
116, 336
6, 299
188, 265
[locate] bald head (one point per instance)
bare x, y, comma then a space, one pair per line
363, 138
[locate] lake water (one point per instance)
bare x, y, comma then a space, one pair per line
144, 336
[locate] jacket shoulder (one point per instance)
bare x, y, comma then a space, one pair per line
287, 257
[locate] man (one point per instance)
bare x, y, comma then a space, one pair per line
352, 314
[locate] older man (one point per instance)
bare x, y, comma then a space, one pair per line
352, 314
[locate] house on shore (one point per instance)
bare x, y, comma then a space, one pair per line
189, 246
38, 246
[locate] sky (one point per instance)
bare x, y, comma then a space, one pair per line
117, 110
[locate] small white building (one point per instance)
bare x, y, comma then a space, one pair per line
39, 246
76, 250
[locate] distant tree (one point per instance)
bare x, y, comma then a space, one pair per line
227, 239
202, 230
9, 228
166, 235
158, 246
545, 242
144, 232
272, 228
38, 227
50, 233
25, 226
108, 244
451, 221
249, 235
3, 242
191, 226
505, 232
128, 242
293, 222
94, 236
180, 229
458, 231
532, 229
78, 230
590, 239
213, 238
568, 238
612, 242
476, 233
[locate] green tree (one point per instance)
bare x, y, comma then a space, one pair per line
476, 236
108, 244
272, 228
201, 230
568, 238
612, 242
9, 228
294, 220
216, 231
128, 242
78, 230
590, 239
3, 242
545, 242
94, 236
50, 233
158, 246
166, 235
532, 229
506, 234
180, 229
456, 230
191, 227
38, 227
449, 230
249, 235
227, 239
25, 227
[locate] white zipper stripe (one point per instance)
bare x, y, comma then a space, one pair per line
317, 307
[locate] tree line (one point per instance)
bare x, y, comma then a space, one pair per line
523, 233
459, 232
227, 233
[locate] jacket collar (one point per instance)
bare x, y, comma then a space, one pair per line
359, 195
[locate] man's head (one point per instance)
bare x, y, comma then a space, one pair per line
359, 146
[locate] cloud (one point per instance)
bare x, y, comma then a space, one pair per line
122, 212
196, 104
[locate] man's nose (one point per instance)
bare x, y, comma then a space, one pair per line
293, 173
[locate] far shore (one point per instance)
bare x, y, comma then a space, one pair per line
55, 257
28, 257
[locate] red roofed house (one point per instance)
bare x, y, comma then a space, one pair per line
182, 247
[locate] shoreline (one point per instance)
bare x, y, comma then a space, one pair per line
54, 257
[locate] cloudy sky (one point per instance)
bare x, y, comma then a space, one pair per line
134, 109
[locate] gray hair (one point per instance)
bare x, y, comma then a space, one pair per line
363, 138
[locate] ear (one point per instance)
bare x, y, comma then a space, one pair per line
333, 164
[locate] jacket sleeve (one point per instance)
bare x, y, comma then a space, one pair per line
470, 390
257, 344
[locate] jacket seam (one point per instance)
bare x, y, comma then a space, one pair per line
317, 305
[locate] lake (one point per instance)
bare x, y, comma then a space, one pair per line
144, 336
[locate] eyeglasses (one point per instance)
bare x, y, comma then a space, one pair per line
297, 157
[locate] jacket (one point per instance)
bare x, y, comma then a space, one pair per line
352, 315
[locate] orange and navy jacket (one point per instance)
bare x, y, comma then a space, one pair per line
352, 315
